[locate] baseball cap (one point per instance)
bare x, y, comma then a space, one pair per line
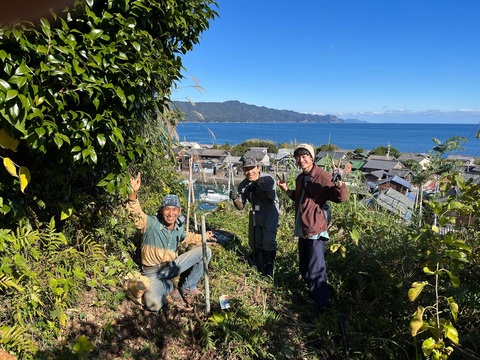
250, 162
171, 200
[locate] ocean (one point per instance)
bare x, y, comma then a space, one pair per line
415, 138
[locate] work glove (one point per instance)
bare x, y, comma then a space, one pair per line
232, 195
337, 175
252, 188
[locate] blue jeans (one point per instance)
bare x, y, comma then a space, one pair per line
161, 280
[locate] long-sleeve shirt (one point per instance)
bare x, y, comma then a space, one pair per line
159, 244
319, 188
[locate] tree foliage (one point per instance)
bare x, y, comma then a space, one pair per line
384, 150
86, 94
241, 149
329, 147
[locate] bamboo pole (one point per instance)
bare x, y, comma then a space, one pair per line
205, 266
189, 192
192, 195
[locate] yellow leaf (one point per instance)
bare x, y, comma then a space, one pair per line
62, 318
67, 211
415, 325
451, 332
24, 177
416, 289
417, 321
10, 166
7, 142
334, 247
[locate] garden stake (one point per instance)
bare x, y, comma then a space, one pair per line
343, 333
205, 266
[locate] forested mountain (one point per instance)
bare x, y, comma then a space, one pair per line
235, 111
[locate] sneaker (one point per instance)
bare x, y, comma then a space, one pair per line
175, 294
178, 302
190, 293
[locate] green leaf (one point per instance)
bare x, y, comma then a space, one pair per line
121, 95
454, 279
18, 80
11, 94
45, 25
462, 245
453, 307
428, 345
457, 255
96, 33
355, 235
427, 270
22, 70
4, 86
83, 345
101, 140
90, 152
122, 162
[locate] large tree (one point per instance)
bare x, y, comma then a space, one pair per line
86, 94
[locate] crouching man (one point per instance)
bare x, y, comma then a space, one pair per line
161, 235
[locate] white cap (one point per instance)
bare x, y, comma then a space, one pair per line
307, 147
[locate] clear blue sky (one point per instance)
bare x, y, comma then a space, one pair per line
340, 56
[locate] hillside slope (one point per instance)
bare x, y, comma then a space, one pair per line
235, 111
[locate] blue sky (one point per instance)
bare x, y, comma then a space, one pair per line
376, 60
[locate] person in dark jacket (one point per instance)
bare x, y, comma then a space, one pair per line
313, 188
259, 190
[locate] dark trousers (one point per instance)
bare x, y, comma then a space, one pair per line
313, 269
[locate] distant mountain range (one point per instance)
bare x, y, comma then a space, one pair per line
235, 111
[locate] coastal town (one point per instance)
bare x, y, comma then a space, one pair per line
384, 179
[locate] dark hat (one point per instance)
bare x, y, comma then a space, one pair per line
250, 162
171, 200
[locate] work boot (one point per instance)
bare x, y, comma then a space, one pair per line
250, 259
259, 260
268, 262
136, 287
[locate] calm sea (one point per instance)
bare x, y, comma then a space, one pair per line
415, 138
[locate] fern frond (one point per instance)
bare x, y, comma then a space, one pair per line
7, 282
17, 339
90, 246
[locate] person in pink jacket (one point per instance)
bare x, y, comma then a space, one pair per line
314, 187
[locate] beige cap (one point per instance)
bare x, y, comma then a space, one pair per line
307, 147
